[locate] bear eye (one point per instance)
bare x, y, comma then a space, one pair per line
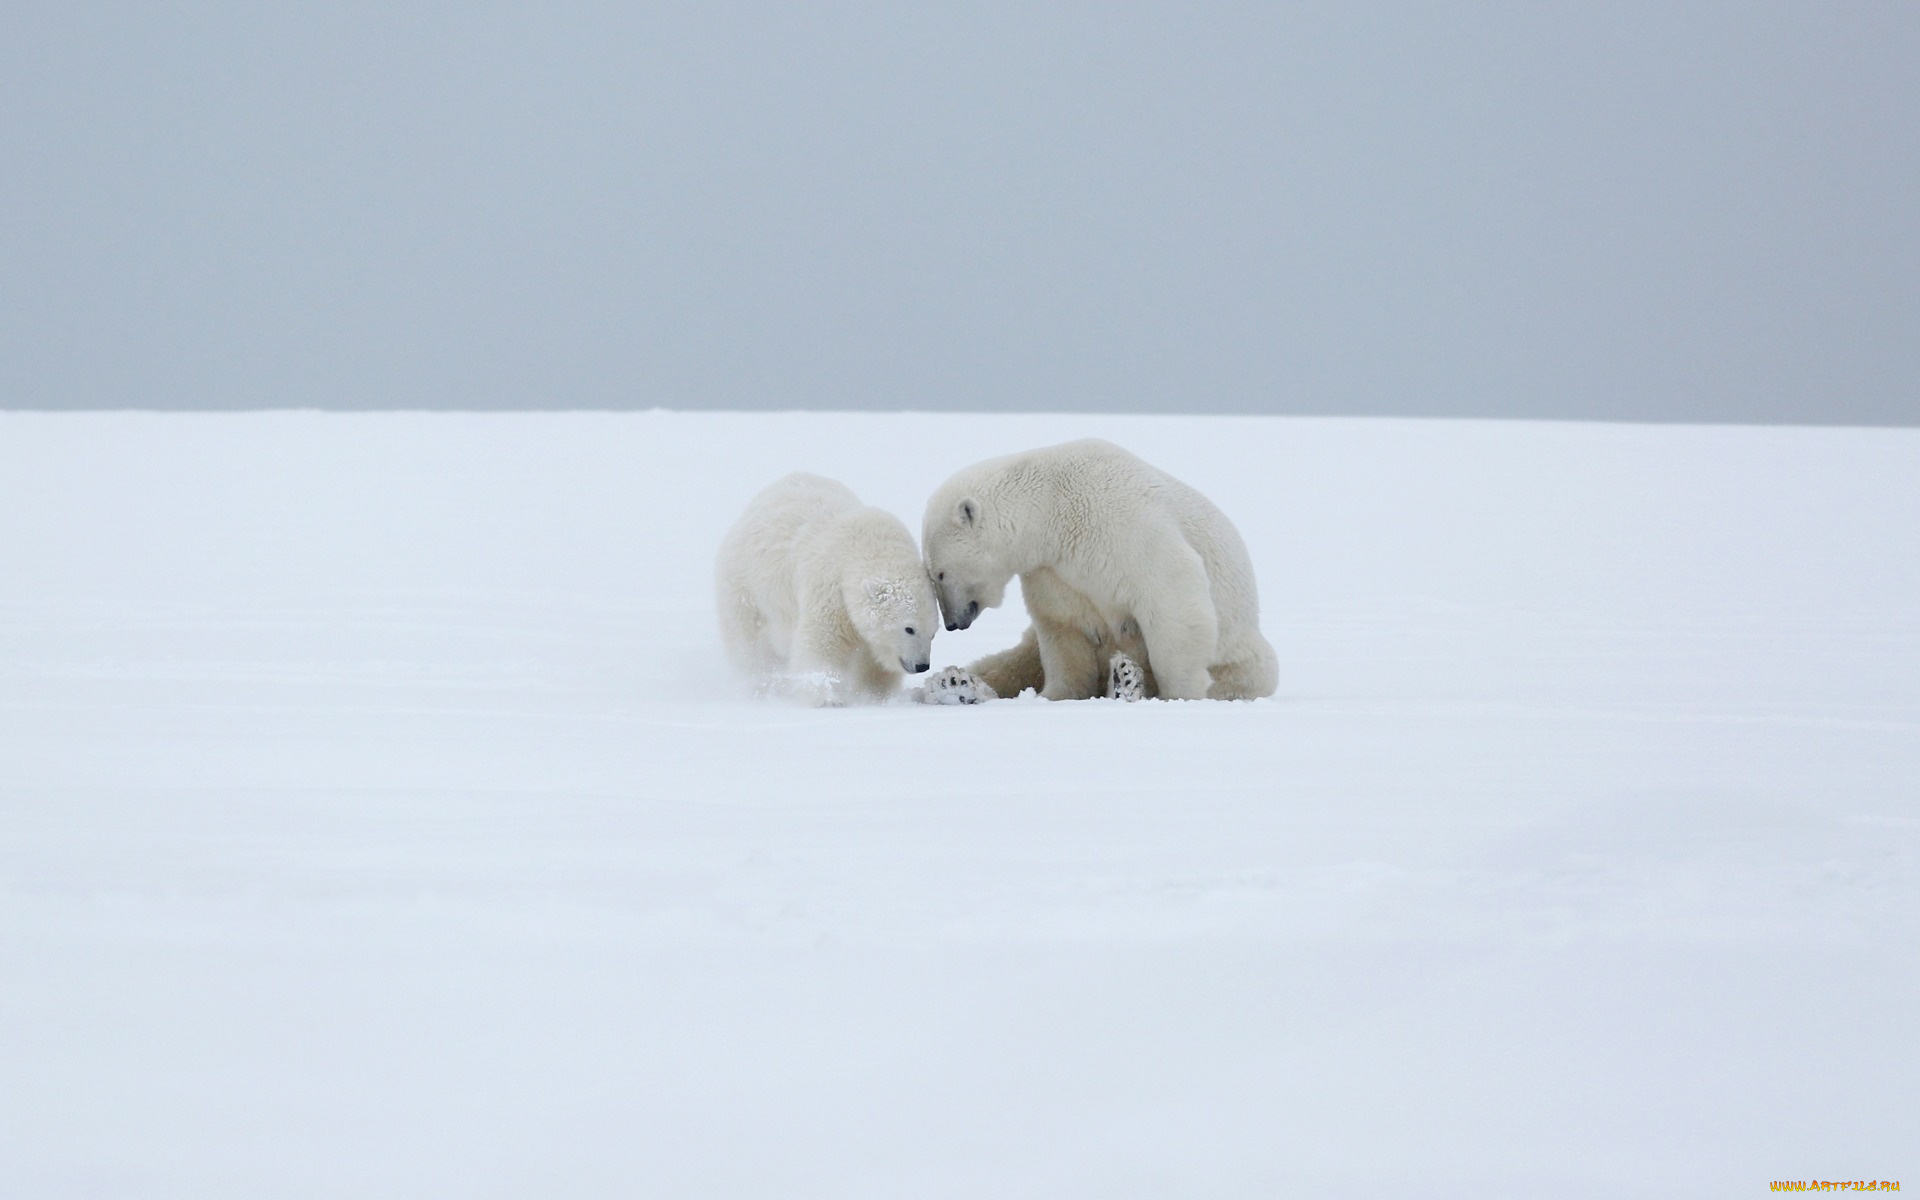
941, 577
909, 631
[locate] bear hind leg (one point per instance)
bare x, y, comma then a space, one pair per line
1014, 670
743, 631
1250, 678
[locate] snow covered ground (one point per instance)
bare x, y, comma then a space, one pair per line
376, 821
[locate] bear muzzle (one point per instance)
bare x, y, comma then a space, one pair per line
964, 619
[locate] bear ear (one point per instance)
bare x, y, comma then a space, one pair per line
969, 511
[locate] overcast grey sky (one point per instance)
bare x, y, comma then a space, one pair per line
1672, 210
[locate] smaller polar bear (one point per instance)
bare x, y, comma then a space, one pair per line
824, 598
1137, 585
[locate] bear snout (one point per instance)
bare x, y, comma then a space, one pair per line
921, 668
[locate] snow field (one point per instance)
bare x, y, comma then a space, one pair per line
376, 819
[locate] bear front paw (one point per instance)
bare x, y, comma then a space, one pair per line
1125, 681
955, 686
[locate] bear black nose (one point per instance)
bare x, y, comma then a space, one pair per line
951, 627
921, 667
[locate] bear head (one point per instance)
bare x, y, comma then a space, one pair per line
895, 615
961, 555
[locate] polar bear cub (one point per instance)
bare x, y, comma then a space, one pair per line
823, 598
1136, 584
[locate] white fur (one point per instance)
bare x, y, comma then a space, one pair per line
1115, 557
823, 597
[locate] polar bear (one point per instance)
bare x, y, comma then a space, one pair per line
1136, 584
824, 598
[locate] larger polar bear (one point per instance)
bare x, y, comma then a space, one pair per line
824, 598
1120, 564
